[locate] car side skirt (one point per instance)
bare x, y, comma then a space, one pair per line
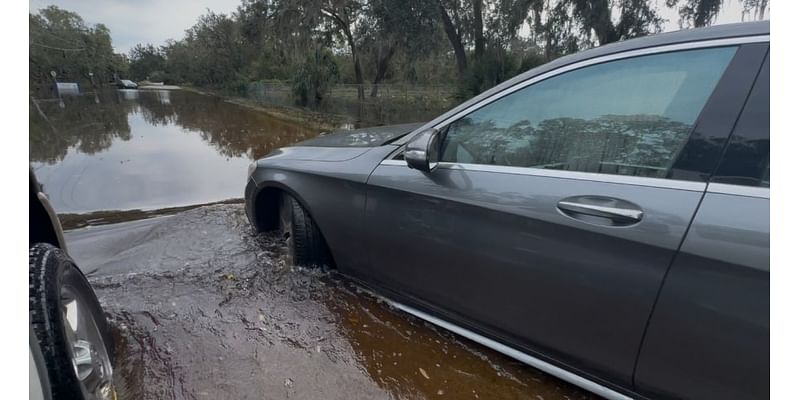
539, 364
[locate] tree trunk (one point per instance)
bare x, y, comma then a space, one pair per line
345, 27
455, 40
604, 28
356, 64
383, 67
359, 75
762, 7
596, 15
477, 14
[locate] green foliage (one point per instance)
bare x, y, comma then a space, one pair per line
314, 77
269, 64
144, 61
158, 76
495, 66
60, 41
698, 13
472, 44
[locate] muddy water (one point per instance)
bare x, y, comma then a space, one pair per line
149, 149
204, 308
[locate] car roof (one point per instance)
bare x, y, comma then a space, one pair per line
724, 31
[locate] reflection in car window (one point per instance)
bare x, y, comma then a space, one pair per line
628, 117
746, 159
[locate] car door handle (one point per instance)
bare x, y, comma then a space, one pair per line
618, 211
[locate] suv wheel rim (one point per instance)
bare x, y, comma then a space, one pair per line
87, 350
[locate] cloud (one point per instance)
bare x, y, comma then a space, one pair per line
140, 21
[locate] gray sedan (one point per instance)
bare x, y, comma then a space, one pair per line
603, 217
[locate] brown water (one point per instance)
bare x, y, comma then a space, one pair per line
149, 149
205, 308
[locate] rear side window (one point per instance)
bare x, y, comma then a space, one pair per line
626, 117
746, 158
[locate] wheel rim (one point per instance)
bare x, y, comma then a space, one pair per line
88, 352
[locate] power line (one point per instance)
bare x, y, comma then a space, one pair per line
56, 37
55, 48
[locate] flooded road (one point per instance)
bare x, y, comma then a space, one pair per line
149, 149
205, 308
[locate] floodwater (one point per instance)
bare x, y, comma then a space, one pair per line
149, 149
204, 308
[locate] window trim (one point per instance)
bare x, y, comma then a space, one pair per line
692, 186
738, 190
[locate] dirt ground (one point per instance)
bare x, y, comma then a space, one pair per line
203, 308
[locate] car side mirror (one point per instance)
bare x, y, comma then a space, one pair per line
422, 152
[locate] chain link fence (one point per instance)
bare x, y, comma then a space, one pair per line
382, 103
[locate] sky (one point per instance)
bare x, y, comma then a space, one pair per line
155, 21
140, 21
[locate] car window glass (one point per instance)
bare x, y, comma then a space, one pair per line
628, 117
746, 159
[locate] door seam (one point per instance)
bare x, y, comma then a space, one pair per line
691, 221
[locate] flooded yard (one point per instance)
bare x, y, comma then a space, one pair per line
149, 149
204, 308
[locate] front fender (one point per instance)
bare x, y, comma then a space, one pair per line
333, 193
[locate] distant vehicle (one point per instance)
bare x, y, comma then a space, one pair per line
126, 84
68, 89
603, 217
70, 345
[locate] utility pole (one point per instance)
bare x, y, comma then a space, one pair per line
58, 92
94, 87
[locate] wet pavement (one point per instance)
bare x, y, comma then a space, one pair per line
204, 308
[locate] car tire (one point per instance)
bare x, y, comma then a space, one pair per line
70, 326
307, 246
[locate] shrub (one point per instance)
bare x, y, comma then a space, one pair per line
314, 77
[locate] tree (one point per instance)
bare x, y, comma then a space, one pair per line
698, 13
759, 6
390, 27
636, 18
144, 60
455, 22
344, 14
314, 77
60, 41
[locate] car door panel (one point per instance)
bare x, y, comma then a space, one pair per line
494, 249
498, 237
709, 335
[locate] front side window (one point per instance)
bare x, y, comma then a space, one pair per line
628, 117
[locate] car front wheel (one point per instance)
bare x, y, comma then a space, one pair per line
307, 246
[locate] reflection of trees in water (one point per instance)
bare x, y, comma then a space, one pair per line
629, 144
81, 124
234, 131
